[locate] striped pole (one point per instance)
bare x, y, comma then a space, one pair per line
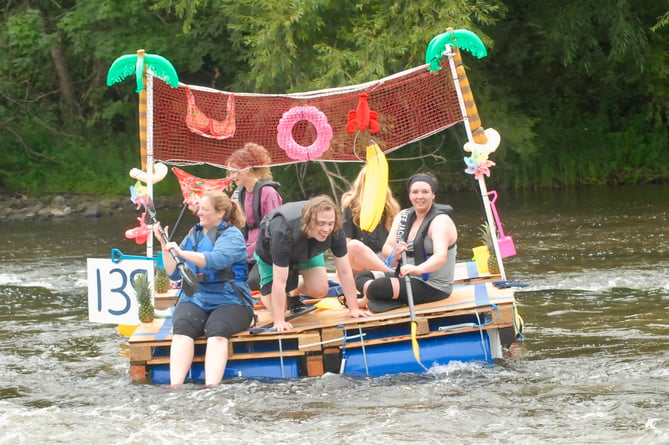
142, 113
475, 132
472, 113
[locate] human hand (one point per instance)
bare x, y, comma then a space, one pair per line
401, 247
172, 245
281, 326
359, 313
410, 269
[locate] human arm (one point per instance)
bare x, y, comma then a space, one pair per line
278, 298
347, 282
394, 246
168, 262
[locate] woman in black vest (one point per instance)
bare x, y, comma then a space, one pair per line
427, 235
256, 193
364, 248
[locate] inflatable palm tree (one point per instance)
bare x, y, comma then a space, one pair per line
139, 64
481, 142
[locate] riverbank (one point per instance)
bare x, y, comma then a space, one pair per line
19, 207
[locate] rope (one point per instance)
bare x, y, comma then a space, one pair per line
364, 352
480, 326
283, 371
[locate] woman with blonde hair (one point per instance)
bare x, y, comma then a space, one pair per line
364, 248
222, 304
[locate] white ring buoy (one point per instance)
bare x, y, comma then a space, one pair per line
285, 133
159, 173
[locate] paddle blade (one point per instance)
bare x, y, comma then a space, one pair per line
189, 281
414, 341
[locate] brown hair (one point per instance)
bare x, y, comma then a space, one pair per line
427, 177
316, 205
221, 202
353, 198
255, 157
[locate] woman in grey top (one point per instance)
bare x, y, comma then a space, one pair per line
427, 235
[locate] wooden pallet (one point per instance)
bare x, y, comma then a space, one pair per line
324, 331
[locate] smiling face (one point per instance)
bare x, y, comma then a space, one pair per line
209, 216
421, 196
323, 226
240, 176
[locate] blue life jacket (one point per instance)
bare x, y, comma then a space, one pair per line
197, 242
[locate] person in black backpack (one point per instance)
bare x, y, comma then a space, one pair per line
256, 193
292, 241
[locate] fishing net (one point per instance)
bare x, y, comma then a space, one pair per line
197, 125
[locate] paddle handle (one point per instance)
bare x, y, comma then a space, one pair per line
407, 279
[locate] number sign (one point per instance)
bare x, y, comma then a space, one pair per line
111, 297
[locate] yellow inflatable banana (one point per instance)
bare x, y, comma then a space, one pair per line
375, 189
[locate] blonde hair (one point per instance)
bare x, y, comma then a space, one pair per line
233, 212
254, 157
353, 198
316, 205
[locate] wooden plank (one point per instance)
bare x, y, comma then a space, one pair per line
237, 356
138, 372
141, 353
315, 365
310, 341
423, 326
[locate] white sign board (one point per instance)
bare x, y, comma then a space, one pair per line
111, 297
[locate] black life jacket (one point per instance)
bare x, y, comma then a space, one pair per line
407, 219
240, 194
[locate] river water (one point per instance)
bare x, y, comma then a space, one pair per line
593, 368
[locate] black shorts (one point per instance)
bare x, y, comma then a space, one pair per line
190, 320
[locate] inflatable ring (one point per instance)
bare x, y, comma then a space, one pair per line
159, 173
285, 133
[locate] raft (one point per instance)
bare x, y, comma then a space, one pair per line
476, 323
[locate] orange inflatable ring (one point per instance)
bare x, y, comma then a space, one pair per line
285, 133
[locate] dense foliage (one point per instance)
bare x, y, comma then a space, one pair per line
578, 89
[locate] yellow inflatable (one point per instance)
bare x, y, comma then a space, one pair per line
375, 189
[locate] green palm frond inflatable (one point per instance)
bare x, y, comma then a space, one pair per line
162, 69
130, 64
462, 38
122, 67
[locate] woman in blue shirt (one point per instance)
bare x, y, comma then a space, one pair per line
221, 305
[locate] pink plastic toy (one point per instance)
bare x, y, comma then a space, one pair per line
505, 243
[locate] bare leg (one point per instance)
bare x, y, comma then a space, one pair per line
181, 358
315, 282
362, 258
215, 360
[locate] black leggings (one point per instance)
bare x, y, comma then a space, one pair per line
225, 321
382, 288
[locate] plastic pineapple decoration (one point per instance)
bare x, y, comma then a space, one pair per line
143, 295
487, 239
161, 281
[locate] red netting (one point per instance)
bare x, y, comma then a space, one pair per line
408, 107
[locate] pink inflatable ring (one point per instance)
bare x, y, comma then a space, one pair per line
285, 133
